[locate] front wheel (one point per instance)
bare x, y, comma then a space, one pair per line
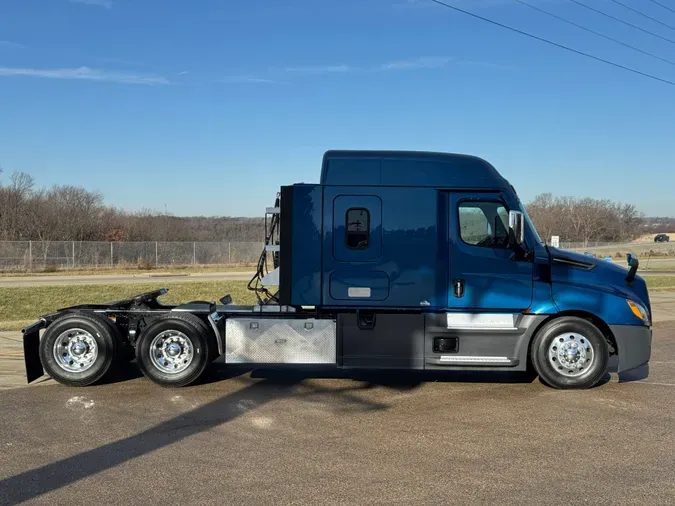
570, 352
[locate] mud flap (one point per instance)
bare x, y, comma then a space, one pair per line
31, 351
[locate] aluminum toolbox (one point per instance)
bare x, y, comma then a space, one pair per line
280, 341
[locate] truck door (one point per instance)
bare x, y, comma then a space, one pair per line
483, 273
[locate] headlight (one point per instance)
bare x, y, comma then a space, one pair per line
638, 310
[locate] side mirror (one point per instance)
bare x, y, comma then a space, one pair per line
516, 227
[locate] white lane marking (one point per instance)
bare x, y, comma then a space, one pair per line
662, 361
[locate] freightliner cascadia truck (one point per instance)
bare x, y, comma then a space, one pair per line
395, 260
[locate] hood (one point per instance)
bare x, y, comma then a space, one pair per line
587, 262
577, 268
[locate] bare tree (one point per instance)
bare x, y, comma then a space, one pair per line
72, 213
584, 219
14, 200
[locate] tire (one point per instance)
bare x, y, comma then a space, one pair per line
195, 343
576, 347
61, 351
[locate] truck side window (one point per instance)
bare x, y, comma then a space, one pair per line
358, 228
484, 223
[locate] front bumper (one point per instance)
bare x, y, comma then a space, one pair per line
634, 345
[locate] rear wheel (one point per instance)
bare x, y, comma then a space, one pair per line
570, 352
78, 349
174, 350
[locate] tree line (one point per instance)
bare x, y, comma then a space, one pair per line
73, 213
585, 219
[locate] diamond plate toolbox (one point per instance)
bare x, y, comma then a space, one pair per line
279, 341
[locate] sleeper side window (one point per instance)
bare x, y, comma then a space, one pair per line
484, 223
358, 228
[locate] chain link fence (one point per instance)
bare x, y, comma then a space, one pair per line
58, 255
621, 249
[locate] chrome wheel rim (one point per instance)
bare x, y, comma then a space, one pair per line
571, 354
75, 350
171, 352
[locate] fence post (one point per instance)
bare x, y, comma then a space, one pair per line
73, 254
229, 252
156, 255
30, 255
111, 254
194, 253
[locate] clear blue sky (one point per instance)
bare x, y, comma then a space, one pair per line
209, 106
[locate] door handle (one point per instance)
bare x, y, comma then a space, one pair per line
458, 288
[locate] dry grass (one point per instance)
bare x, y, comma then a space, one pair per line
660, 282
21, 305
126, 269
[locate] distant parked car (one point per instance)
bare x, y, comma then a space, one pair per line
661, 238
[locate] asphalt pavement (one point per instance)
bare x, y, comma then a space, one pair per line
262, 437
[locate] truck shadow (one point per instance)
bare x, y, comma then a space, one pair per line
254, 394
389, 378
394, 379
264, 386
410, 380
218, 371
122, 372
400, 379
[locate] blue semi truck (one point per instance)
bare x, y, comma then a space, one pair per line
395, 260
